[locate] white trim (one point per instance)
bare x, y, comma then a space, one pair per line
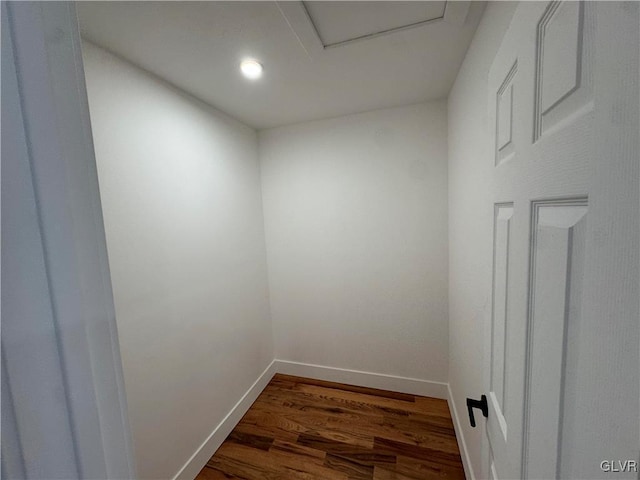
205, 451
413, 386
462, 445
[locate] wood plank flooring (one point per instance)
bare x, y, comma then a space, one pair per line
303, 429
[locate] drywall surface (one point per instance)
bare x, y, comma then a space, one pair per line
180, 187
471, 219
356, 230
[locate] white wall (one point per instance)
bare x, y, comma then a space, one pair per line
471, 219
180, 188
356, 229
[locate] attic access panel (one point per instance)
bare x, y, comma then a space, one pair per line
337, 23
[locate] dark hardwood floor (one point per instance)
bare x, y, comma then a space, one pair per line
300, 428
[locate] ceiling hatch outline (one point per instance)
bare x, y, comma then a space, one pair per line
303, 26
378, 33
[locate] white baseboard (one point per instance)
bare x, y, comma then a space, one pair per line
462, 446
199, 459
411, 386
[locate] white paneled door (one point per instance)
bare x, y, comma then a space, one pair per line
562, 340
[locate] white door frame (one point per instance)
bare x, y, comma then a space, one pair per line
64, 412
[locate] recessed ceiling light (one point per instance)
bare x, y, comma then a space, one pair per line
251, 69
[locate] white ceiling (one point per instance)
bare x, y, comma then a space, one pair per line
321, 59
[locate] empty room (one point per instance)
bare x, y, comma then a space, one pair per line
320, 240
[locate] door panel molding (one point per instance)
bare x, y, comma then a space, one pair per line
562, 83
555, 270
505, 147
503, 212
